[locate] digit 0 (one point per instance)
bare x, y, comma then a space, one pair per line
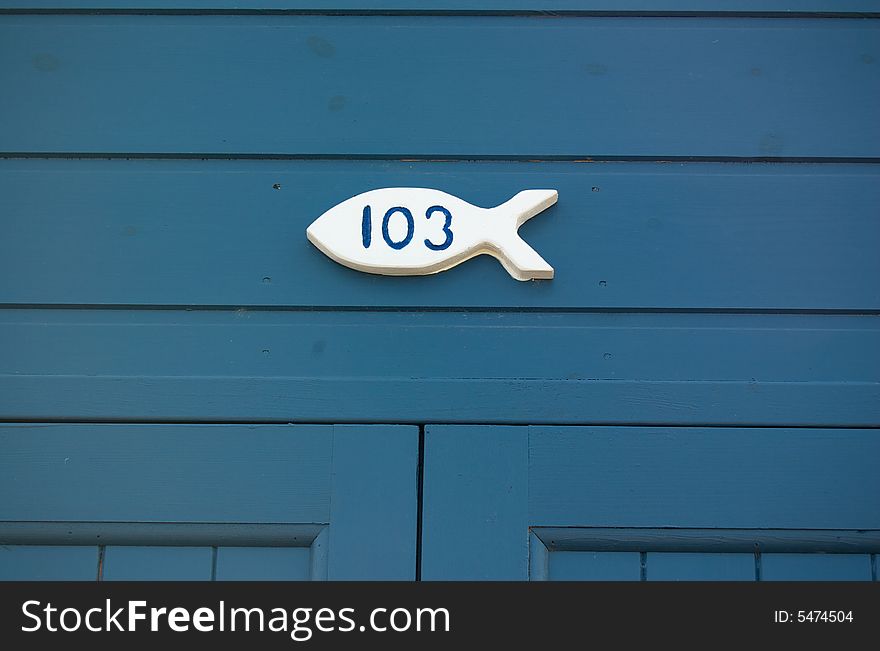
410, 227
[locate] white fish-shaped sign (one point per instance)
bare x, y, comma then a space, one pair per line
417, 231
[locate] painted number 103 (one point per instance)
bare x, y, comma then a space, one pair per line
367, 227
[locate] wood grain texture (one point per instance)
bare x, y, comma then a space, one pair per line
623, 235
561, 368
525, 87
465, 6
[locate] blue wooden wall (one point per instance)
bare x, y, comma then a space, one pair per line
712, 332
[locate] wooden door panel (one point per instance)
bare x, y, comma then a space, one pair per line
656, 503
203, 501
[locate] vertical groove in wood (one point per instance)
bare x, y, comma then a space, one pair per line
420, 495
214, 562
100, 574
757, 562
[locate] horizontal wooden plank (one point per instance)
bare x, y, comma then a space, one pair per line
623, 235
291, 366
441, 345
562, 368
260, 535
504, 86
452, 401
699, 477
466, 6
179, 473
716, 540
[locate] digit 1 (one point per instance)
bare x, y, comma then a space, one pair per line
367, 227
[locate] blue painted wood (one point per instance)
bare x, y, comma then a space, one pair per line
689, 566
373, 503
330, 344
539, 559
634, 235
165, 473
184, 474
689, 240
595, 566
539, 401
479, 478
475, 503
815, 567
692, 554
179, 534
703, 477
510, 86
48, 563
319, 563
563, 368
263, 564
468, 6
714, 540
157, 563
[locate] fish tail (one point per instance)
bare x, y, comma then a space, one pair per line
519, 259
528, 203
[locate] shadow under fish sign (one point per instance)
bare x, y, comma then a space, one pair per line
417, 231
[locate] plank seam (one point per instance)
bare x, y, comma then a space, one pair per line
420, 500
441, 308
438, 158
437, 13
487, 423
100, 574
